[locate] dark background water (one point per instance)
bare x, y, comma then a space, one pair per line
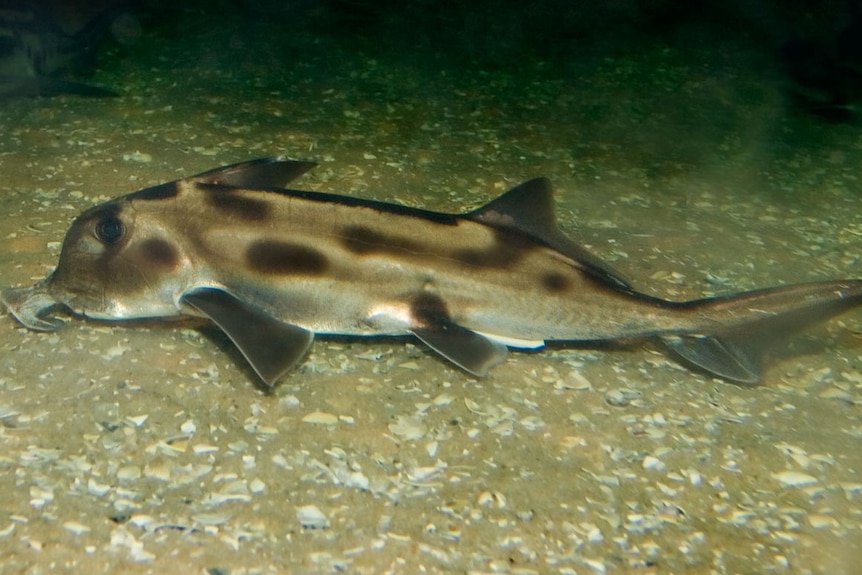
813, 49
687, 146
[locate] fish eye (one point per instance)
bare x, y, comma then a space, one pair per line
110, 230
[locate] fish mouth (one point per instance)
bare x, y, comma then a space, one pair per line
34, 307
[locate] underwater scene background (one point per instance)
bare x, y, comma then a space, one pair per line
700, 148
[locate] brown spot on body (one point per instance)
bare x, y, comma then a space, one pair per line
555, 282
509, 247
229, 201
429, 310
160, 253
362, 240
285, 258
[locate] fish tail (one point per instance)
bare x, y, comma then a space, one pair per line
759, 320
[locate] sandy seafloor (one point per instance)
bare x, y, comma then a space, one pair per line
150, 450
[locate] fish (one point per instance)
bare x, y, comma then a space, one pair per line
273, 266
39, 57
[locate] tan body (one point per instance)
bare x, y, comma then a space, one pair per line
343, 269
273, 266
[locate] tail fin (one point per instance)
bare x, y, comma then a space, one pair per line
753, 322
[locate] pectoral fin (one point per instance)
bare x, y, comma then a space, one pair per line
721, 356
270, 345
467, 349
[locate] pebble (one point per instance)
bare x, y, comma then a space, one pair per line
794, 478
311, 517
76, 528
408, 428
128, 473
650, 463
320, 418
137, 156
820, 521
210, 519
620, 397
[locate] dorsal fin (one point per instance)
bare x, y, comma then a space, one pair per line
262, 173
529, 208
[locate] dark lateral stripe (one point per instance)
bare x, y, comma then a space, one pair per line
284, 258
232, 203
350, 201
160, 192
363, 240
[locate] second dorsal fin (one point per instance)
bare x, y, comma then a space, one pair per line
529, 208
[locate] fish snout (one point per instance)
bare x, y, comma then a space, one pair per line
34, 307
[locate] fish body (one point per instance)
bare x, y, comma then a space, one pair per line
273, 266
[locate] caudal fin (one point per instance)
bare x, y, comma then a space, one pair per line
753, 322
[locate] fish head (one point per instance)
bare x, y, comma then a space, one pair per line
120, 260
130, 258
